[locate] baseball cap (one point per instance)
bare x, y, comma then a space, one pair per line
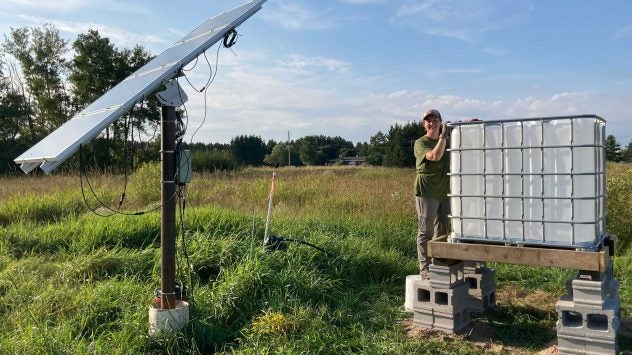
432, 112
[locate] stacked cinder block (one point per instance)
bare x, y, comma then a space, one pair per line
442, 302
589, 317
482, 285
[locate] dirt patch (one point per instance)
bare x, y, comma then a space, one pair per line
537, 300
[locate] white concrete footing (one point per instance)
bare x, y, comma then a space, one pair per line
168, 320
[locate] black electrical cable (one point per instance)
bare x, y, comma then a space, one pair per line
145, 146
230, 38
275, 242
127, 126
194, 65
83, 174
212, 73
206, 99
182, 192
306, 243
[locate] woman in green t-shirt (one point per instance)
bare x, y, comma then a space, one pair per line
432, 186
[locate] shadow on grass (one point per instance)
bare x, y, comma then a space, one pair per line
520, 326
625, 336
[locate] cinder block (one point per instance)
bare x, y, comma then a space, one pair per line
570, 321
423, 295
591, 294
442, 299
604, 323
451, 300
568, 344
472, 267
482, 289
484, 279
601, 346
579, 320
450, 322
480, 301
412, 284
445, 321
445, 276
423, 318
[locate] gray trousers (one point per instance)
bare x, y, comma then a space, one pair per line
433, 220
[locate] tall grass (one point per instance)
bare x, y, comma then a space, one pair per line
74, 282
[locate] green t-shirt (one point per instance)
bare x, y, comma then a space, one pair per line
432, 176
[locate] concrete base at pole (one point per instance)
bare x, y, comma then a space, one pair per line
168, 320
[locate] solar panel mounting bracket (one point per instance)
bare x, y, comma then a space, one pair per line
173, 95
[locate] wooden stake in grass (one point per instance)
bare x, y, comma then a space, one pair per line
266, 234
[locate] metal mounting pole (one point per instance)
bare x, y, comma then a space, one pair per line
170, 98
168, 209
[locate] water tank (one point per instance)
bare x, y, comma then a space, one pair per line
536, 181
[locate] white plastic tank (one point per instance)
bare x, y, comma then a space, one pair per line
537, 181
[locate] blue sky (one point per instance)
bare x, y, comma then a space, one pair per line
354, 67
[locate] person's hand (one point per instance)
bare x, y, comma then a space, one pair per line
445, 131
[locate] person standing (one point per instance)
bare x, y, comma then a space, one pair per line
432, 185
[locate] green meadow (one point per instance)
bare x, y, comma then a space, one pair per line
75, 282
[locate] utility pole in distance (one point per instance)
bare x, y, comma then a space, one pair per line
289, 161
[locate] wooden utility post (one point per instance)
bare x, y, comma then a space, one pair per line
289, 160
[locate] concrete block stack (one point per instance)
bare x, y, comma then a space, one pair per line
589, 317
442, 302
482, 285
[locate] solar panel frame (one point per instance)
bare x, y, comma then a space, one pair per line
62, 143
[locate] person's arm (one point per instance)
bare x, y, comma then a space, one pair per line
436, 153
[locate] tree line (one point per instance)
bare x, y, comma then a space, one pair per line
40, 89
393, 149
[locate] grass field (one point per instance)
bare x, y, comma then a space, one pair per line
74, 282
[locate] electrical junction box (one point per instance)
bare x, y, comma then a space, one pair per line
537, 181
183, 161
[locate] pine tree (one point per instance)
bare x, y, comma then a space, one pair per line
613, 149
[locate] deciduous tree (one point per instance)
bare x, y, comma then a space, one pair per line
41, 54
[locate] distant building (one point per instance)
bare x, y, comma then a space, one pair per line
354, 161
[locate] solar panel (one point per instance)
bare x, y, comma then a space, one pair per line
58, 146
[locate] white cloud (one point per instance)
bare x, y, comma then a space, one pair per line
268, 102
61, 5
463, 71
295, 16
465, 21
415, 8
118, 36
494, 51
76, 5
362, 2
299, 64
623, 32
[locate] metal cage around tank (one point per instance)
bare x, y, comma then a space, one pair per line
532, 181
